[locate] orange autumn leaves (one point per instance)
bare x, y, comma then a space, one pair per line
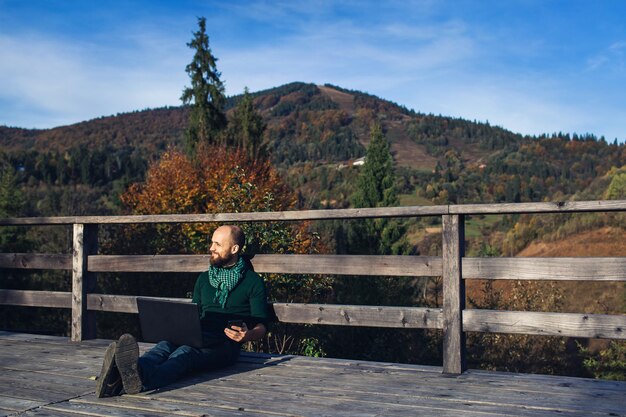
219, 180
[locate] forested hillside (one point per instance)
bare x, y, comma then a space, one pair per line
313, 135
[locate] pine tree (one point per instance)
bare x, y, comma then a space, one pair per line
376, 188
206, 94
246, 128
376, 182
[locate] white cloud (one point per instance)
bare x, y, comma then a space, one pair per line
611, 58
349, 56
65, 83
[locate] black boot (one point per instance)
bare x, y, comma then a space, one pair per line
109, 382
126, 356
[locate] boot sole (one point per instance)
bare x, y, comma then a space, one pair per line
108, 368
126, 356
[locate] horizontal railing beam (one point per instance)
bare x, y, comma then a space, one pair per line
540, 269
329, 314
332, 214
545, 324
354, 315
556, 269
383, 265
29, 298
547, 207
35, 261
301, 215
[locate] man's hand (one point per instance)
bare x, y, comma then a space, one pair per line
243, 334
237, 333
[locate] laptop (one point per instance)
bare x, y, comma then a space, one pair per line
175, 321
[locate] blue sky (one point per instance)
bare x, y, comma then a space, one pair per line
530, 66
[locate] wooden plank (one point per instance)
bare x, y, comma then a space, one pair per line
56, 384
329, 314
598, 326
45, 412
111, 407
288, 264
120, 303
18, 404
558, 269
33, 393
356, 213
35, 261
85, 242
55, 299
551, 207
350, 315
142, 405
454, 361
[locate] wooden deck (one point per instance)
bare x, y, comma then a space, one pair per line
51, 376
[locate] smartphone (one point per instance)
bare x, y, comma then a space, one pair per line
238, 323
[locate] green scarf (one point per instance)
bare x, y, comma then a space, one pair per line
225, 279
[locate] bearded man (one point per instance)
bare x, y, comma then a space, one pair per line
233, 309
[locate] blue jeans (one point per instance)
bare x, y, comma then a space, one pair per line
166, 363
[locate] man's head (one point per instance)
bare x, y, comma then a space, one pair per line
226, 245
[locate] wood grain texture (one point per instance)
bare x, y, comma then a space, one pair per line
35, 261
547, 207
334, 214
120, 303
454, 361
328, 314
55, 299
351, 315
353, 213
287, 264
85, 242
557, 269
548, 324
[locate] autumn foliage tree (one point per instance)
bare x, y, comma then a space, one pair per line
219, 180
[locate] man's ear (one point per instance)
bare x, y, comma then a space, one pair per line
234, 249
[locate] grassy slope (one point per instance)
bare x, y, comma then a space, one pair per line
587, 297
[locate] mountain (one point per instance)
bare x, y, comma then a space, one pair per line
313, 134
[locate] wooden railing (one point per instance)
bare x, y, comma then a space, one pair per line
454, 268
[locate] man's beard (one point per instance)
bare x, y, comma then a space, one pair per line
219, 262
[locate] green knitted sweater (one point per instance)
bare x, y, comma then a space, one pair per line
247, 301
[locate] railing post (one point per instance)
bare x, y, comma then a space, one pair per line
453, 294
85, 243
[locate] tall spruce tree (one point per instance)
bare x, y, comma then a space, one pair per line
206, 94
376, 188
245, 129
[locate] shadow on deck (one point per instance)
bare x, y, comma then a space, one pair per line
50, 376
